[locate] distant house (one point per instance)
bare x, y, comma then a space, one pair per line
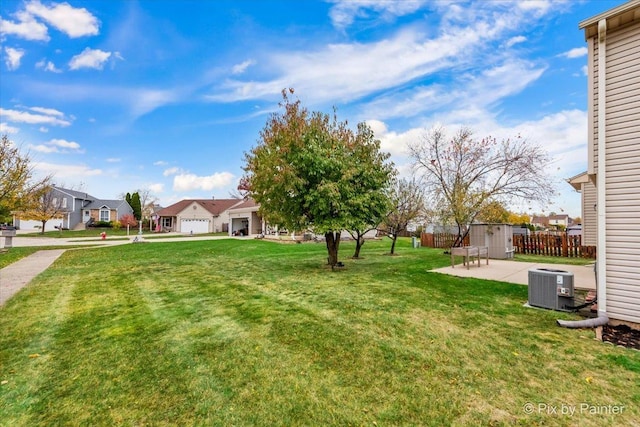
197, 216
77, 210
540, 222
558, 220
244, 219
613, 42
583, 184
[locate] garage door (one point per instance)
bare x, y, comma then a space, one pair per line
194, 226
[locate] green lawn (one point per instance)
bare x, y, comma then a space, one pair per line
553, 259
250, 332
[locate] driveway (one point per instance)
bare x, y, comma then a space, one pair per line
518, 272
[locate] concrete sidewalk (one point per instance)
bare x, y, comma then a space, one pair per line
518, 272
17, 275
21, 241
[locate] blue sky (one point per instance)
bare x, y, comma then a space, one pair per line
114, 96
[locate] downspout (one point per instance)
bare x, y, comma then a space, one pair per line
601, 248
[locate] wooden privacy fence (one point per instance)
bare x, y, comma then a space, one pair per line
553, 245
440, 240
536, 244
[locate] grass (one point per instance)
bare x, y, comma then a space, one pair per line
250, 332
552, 259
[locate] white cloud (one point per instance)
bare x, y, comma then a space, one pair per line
171, 171
188, 182
43, 129
585, 70
476, 92
344, 12
75, 22
27, 28
242, 67
144, 101
13, 57
576, 52
62, 143
89, 58
160, 163
113, 160
535, 7
26, 117
47, 111
48, 66
515, 40
348, 71
71, 172
5, 128
156, 188
57, 146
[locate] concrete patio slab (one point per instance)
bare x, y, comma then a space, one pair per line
518, 272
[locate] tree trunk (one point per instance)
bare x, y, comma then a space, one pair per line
359, 243
460, 237
333, 242
43, 224
394, 237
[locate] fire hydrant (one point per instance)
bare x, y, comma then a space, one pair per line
103, 235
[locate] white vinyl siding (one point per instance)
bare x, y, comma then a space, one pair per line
622, 187
589, 214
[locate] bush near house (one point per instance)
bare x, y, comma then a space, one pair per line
101, 224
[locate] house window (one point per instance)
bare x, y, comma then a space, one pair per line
104, 215
64, 203
166, 221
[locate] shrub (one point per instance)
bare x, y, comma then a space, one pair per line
101, 224
128, 220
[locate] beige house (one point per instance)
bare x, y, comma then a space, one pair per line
558, 220
197, 216
613, 40
244, 219
589, 207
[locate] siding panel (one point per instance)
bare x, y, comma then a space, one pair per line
622, 185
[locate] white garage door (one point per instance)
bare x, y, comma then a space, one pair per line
194, 226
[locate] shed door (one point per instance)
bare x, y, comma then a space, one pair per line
194, 226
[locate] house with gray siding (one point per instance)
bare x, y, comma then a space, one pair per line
613, 41
76, 209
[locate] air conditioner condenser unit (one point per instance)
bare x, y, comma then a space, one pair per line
550, 288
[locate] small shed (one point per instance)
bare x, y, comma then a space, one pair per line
497, 237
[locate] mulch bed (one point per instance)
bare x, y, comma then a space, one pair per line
621, 335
